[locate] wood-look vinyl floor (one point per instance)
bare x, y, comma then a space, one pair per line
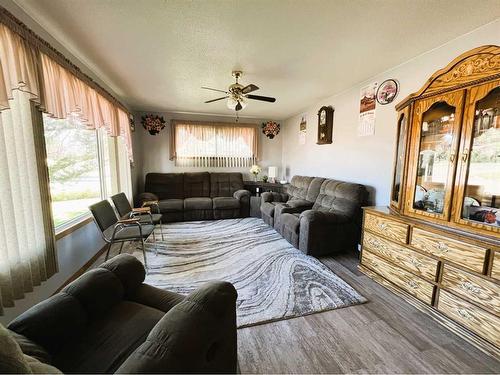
385, 335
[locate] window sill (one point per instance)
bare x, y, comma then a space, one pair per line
73, 225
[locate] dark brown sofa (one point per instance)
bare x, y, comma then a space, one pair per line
299, 195
333, 223
108, 321
197, 196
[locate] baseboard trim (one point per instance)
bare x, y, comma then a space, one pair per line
462, 332
82, 270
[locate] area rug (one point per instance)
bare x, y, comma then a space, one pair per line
274, 280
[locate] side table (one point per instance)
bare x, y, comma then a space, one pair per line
255, 206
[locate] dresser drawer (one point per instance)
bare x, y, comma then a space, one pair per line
405, 280
402, 256
476, 319
386, 227
462, 253
472, 288
495, 270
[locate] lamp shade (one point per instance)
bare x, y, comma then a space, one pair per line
272, 172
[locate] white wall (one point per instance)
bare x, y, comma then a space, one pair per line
153, 151
368, 160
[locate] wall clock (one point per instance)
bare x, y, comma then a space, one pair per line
325, 125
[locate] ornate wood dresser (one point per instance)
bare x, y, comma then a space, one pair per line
438, 244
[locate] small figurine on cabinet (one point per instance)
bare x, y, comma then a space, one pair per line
325, 125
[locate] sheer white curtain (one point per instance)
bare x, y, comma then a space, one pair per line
213, 144
23, 252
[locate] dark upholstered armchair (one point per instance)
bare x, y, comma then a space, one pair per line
333, 224
299, 196
108, 321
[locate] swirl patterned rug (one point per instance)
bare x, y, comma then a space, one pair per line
274, 280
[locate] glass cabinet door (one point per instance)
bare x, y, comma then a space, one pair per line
479, 190
399, 161
434, 145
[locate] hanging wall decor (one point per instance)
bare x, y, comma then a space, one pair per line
367, 104
325, 125
270, 129
387, 91
153, 123
303, 130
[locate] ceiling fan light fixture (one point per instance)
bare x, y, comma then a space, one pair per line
232, 103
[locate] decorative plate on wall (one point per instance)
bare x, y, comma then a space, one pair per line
387, 91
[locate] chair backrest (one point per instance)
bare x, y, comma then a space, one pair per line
104, 215
225, 184
304, 187
122, 204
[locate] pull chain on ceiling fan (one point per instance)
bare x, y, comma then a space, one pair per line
237, 94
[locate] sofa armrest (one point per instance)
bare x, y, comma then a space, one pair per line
319, 217
244, 197
197, 335
241, 194
271, 196
300, 203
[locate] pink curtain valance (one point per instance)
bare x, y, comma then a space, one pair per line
58, 91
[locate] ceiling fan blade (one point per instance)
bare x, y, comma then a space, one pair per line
209, 88
249, 88
238, 106
262, 98
214, 100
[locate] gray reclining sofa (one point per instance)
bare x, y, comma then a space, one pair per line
197, 196
330, 223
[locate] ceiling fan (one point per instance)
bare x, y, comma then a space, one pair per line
237, 94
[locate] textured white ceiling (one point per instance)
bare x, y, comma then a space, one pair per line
156, 54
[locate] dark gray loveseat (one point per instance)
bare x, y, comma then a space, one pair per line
197, 196
333, 224
108, 321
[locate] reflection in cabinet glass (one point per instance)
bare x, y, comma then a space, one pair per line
482, 189
400, 157
434, 158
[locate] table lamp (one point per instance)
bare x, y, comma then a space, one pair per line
272, 174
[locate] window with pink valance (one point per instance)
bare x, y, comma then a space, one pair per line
58, 91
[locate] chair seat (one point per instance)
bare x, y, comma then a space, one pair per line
147, 218
201, 203
130, 232
291, 221
226, 203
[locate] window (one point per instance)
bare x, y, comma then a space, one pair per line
79, 168
213, 145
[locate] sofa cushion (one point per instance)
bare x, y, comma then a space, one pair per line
268, 208
12, 359
196, 184
109, 339
225, 184
225, 203
171, 205
291, 221
165, 185
198, 203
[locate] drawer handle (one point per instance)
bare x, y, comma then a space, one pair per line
412, 284
382, 226
464, 314
415, 262
441, 246
469, 287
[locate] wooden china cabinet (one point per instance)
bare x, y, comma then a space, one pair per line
438, 244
